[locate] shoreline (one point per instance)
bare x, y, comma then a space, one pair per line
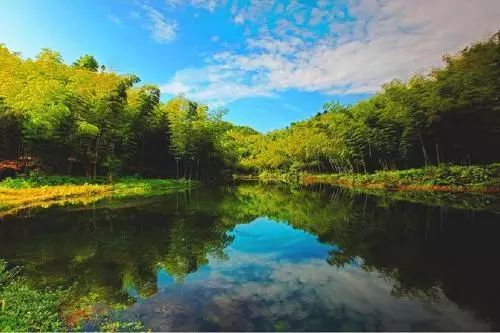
16, 199
330, 180
444, 179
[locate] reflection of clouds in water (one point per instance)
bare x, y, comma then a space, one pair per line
253, 291
362, 295
305, 295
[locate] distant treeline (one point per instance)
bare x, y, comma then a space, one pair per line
451, 115
83, 119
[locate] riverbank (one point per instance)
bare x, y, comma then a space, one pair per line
452, 179
461, 187
23, 193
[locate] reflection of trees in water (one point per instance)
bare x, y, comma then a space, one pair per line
108, 252
190, 242
421, 249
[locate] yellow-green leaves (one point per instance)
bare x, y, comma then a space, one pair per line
86, 129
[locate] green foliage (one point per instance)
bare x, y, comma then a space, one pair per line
77, 120
123, 182
87, 62
27, 309
24, 308
453, 177
451, 115
108, 322
23, 193
121, 326
38, 181
86, 129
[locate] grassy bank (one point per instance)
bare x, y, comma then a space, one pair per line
462, 187
22, 193
456, 179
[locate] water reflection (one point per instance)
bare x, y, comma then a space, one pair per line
276, 278
269, 258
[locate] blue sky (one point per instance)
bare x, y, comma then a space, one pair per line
269, 62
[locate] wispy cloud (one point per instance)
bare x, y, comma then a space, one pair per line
209, 5
344, 47
114, 19
214, 85
251, 12
162, 30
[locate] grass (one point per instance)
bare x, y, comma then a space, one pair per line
464, 187
22, 193
446, 178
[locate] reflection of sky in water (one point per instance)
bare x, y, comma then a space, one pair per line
277, 278
262, 239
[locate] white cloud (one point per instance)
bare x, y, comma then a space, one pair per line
316, 16
239, 18
254, 288
209, 5
175, 88
380, 41
162, 30
215, 85
255, 11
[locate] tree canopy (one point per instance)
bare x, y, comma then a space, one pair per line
78, 119
450, 115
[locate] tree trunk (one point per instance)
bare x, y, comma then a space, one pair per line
424, 151
364, 164
177, 167
331, 164
437, 153
141, 162
19, 148
190, 169
98, 143
184, 164
198, 168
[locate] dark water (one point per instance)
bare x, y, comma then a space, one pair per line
256, 257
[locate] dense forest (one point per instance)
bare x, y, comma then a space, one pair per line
451, 115
83, 119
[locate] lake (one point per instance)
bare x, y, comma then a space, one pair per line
261, 257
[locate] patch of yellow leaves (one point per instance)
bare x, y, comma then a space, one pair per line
13, 200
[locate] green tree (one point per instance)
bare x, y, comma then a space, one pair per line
87, 62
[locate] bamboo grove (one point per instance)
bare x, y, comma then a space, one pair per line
81, 119
451, 115
84, 119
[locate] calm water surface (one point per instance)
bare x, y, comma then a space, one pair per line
254, 257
